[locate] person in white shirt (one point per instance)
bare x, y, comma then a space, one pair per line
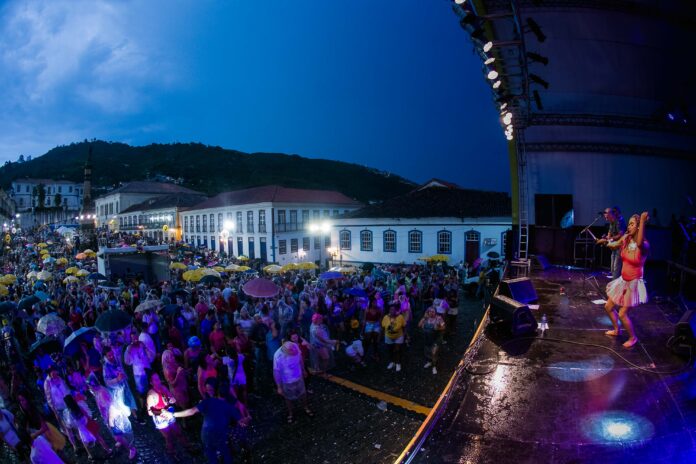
138, 357
288, 373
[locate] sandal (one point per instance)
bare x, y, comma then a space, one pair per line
309, 412
290, 418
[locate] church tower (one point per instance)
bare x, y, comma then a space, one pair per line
87, 207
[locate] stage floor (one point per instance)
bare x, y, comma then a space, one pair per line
543, 401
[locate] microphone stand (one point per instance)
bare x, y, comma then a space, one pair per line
588, 264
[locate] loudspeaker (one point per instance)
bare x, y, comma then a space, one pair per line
520, 289
684, 340
513, 314
540, 263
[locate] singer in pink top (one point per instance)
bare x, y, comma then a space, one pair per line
628, 290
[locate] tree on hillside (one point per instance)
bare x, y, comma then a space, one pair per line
38, 195
57, 200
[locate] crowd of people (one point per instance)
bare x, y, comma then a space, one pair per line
162, 352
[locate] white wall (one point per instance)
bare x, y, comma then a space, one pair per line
489, 228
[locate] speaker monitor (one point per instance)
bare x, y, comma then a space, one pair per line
520, 289
514, 314
684, 339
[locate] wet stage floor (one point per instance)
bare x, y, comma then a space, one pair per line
545, 401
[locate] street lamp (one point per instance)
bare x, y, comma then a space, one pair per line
319, 228
333, 252
227, 228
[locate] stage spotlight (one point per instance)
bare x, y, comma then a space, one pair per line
538, 58
469, 19
488, 61
493, 74
503, 106
487, 47
509, 137
537, 100
460, 2
536, 30
538, 80
496, 84
507, 118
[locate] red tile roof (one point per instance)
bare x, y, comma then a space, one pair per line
155, 188
276, 194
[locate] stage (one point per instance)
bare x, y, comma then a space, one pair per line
544, 401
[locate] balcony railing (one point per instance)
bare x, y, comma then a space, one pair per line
290, 226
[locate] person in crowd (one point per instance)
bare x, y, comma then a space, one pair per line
77, 419
394, 326
139, 359
176, 377
432, 326
234, 362
289, 374
628, 290
616, 230
116, 380
159, 406
120, 426
322, 345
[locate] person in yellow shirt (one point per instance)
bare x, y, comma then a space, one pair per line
393, 325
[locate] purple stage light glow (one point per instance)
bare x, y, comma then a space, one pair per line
617, 428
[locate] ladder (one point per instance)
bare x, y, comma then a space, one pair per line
523, 193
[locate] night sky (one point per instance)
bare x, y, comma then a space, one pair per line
391, 85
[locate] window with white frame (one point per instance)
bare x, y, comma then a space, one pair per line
305, 243
212, 223
317, 242
240, 226
219, 222
365, 240
205, 223
262, 221
186, 224
344, 239
293, 245
250, 222
415, 241
282, 247
444, 242
198, 223
390, 241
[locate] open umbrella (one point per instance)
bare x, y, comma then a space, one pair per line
39, 285
49, 345
169, 309
43, 296
232, 268
177, 266
148, 304
31, 275
3, 290
261, 288
71, 270
493, 254
109, 286
242, 258
272, 269
330, 275
7, 307
72, 343
49, 260
28, 302
88, 252
61, 261
50, 324
306, 266
70, 279
289, 267
9, 279
96, 276
44, 275
82, 273
210, 279
81, 256
359, 292
112, 320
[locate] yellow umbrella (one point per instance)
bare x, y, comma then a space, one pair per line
4, 291
44, 275
242, 258
70, 279
10, 278
31, 275
440, 258
88, 252
272, 269
243, 268
219, 269
177, 266
206, 272
189, 276
232, 268
289, 267
61, 261
42, 245
82, 273
71, 270
306, 266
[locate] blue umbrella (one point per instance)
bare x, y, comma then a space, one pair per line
96, 276
72, 344
249, 271
39, 285
41, 295
28, 302
7, 307
359, 292
330, 275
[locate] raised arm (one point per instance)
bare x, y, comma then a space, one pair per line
641, 228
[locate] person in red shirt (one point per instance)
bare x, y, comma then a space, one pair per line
628, 290
202, 308
217, 338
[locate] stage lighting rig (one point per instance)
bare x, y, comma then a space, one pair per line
537, 58
533, 26
538, 80
537, 100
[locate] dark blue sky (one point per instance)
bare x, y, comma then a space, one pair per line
391, 85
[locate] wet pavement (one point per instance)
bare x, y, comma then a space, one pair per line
347, 426
533, 401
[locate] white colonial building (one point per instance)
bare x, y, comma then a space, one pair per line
62, 200
436, 218
270, 223
157, 217
109, 205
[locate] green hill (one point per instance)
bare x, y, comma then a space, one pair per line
205, 168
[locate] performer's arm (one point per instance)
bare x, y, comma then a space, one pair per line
641, 228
